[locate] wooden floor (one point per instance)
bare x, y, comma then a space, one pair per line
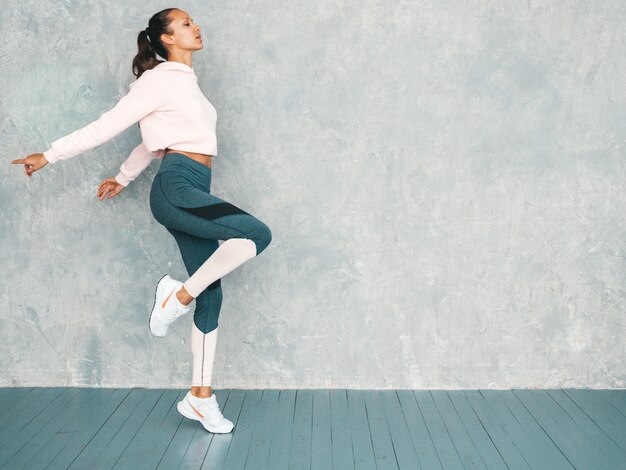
97, 428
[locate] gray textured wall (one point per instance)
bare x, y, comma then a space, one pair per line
444, 182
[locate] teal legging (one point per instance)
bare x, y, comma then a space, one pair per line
181, 200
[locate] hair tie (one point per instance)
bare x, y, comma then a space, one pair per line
147, 31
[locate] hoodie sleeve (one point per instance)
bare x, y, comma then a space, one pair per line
137, 161
145, 96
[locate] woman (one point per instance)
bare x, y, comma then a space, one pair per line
177, 125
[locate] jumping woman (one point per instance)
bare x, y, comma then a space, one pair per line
177, 125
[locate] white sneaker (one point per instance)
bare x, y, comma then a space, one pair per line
207, 412
167, 307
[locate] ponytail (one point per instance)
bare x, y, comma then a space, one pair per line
149, 43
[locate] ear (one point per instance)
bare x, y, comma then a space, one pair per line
167, 39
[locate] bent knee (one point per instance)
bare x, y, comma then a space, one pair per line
261, 236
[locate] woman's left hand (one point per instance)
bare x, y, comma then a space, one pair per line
109, 188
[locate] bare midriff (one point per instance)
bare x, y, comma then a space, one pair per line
203, 158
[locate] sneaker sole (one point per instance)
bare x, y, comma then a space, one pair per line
154, 305
187, 414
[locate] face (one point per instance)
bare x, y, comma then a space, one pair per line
185, 33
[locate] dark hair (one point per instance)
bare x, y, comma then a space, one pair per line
149, 42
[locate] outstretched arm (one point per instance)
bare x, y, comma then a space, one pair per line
137, 161
145, 96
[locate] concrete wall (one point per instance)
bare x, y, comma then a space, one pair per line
444, 182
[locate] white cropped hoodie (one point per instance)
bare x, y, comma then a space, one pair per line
172, 112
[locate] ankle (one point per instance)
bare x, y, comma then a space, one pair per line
201, 392
183, 296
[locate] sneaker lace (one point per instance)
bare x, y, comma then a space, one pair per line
171, 316
213, 409
174, 314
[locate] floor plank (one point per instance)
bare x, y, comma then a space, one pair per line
404, 449
301, 437
498, 431
121, 428
617, 398
363, 448
33, 437
76, 433
461, 440
18, 414
321, 447
561, 429
242, 436
341, 444
281, 444
485, 446
447, 452
147, 446
259, 450
89, 456
221, 442
551, 455
384, 453
615, 455
125, 434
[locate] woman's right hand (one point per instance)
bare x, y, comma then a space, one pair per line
32, 163
109, 188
